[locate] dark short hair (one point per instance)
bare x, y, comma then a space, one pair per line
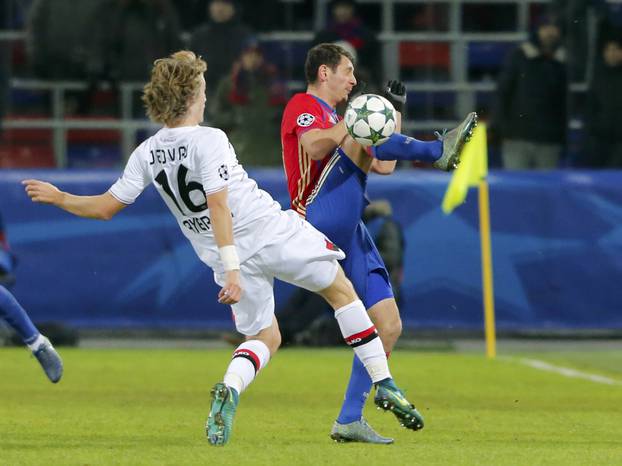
324, 54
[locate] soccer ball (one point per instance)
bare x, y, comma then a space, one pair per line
370, 119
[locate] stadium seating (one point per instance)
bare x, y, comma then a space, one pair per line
94, 148
424, 60
459, 64
26, 148
485, 59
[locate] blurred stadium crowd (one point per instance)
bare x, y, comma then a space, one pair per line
540, 72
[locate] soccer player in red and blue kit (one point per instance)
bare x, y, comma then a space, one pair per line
327, 174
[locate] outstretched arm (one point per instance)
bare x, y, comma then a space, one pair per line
220, 218
102, 207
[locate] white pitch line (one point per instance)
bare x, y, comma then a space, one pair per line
567, 372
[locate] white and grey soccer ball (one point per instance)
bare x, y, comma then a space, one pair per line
370, 119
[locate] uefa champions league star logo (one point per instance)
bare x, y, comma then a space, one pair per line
223, 172
305, 119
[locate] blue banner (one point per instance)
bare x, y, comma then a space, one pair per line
556, 240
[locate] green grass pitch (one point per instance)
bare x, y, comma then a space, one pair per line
148, 407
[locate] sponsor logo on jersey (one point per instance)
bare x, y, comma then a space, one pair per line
223, 172
198, 224
305, 119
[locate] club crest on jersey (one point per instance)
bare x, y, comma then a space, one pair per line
305, 119
331, 246
223, 172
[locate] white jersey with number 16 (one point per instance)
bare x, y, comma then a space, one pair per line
187, 163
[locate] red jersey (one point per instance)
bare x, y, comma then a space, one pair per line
303, 113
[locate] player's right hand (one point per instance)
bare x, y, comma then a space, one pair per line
232, 291
40, 191
395, 92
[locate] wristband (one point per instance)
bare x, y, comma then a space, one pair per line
229, 258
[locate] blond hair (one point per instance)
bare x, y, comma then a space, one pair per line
174, 84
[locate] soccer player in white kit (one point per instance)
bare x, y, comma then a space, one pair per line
238, 230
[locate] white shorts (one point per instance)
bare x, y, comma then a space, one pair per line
296, 253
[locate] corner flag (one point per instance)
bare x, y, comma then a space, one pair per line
472, 171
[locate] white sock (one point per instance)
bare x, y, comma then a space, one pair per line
34, 346
359, 333
248, 359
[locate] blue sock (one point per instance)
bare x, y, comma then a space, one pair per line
400, 147
356, 393
16, 316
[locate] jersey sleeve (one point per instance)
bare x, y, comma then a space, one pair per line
215, 162
303, 115
132, 182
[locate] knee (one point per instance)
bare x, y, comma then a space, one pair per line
276, 342
340, 293
390, 330
396, 328
273, 342
271, 338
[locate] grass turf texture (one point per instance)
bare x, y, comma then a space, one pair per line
149, 407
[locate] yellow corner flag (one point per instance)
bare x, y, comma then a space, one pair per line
472, 169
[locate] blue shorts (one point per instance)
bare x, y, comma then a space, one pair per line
335, 208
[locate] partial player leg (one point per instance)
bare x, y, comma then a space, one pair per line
385, 315
248, 359
374, 288
40, 346
16, 317
308, 259
252, 356
444, 153
356, 327
359, 333
350, 424
254, 316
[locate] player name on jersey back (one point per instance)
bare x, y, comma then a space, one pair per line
168, 155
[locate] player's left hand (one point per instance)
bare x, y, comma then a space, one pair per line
40, 191
395, 92
232, 291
